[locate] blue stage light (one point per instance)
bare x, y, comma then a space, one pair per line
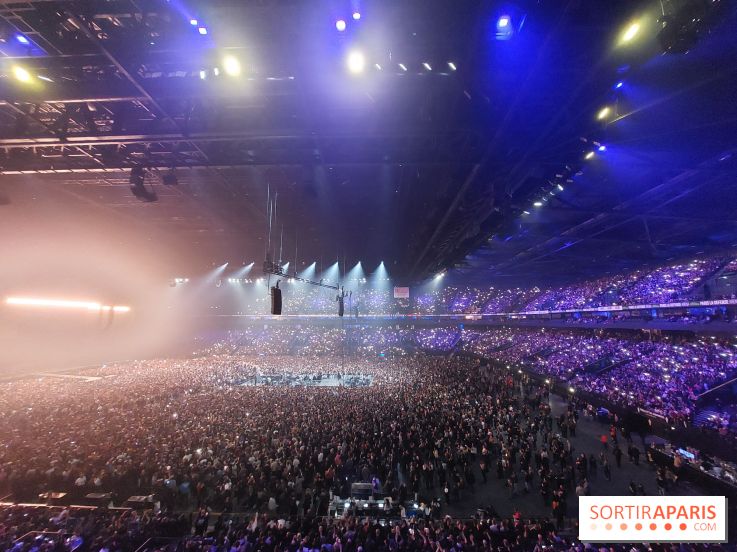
504, 28
22, 39
340, 25
602, 148
356, 16
619, 85
193, 22
202, 30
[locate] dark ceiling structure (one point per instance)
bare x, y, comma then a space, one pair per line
429, 159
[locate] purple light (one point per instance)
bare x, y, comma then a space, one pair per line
22, 39
193, 22
340, 25
202, 30
602, 148
619, 85
356, 16
503, 22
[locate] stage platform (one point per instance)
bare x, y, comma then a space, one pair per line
309, 380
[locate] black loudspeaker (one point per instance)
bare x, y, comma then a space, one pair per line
137, 177
341, 306
275, 300
170, 178
138, 187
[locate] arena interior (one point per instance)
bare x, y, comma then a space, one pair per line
364, 275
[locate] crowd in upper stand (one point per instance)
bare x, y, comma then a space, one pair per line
650, 286
655, 286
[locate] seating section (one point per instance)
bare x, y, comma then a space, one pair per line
660, 285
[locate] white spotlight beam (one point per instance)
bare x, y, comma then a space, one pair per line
64, 304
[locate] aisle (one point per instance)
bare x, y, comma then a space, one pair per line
588, 432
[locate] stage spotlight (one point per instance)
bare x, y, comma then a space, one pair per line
356, 62
21, 74
356, 16
340, 25
603, 113
538, 204
630, 32
193, 22
452, 66
504, 28
202, 30
378, 67
231, 66
589, 155
619, 85
402, 66
602, 148
427, 66
203, 74
22, 39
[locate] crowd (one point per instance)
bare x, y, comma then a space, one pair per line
305, 340
656, 286
129, 531
171, 428
664, 284
25, 528
661, 374
669, 283
192, 433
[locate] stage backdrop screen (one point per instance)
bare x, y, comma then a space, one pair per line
401, 293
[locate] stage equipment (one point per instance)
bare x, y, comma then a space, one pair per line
276, 299
138, 188
277, 269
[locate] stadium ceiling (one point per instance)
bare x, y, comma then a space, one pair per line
435, 150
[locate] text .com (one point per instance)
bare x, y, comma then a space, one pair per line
649, 518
